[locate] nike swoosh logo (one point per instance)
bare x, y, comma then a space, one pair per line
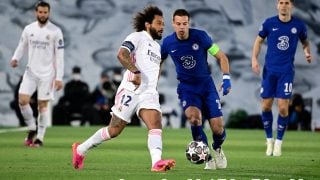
274, 29
173, 51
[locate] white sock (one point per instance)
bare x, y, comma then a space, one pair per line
96, 139
27, 114
42, 123
155, 145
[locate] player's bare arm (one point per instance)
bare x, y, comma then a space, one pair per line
255, 53
125, 60
224, 65
306, 50
223, 61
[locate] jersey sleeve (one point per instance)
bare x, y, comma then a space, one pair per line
59, 55
303, 33
164, 50
205, 39
22, 46
263, 30
130, 42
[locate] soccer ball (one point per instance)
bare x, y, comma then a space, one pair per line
197, 152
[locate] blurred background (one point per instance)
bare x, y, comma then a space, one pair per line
94, 30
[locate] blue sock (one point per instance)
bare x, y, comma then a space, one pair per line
218, 139
267, 119
198, 134
282, 125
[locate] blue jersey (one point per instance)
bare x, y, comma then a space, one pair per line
189, 56
282, 41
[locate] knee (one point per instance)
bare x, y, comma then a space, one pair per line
194, 119
23, 102
283, 111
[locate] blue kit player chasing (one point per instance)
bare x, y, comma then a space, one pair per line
283, 33
189, 49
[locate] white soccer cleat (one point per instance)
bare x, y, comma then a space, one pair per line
210, 165
221, 160
269, 143
277, 148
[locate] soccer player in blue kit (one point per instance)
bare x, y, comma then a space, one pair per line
198, 96
283, 33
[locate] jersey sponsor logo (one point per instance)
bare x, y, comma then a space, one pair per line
188, 62
284, 43
154, 57
275, 29
294, 30
195, 46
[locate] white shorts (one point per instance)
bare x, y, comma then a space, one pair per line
44, 86
127, 103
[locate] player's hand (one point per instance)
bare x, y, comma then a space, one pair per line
136, 80
226, 84
58, 85
308, 57
255, 67
14, 63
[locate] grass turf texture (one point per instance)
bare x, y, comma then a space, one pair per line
127, 156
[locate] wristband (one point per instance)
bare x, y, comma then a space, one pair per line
136, 72
226, 76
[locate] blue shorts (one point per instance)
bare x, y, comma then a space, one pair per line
201, 95
277, 84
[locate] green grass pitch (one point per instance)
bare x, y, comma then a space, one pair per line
127, 157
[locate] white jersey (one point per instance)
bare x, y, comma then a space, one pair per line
45, 50
146, 56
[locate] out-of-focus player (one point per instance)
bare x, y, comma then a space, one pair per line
189, 48
137, 93
44, 72
283, 33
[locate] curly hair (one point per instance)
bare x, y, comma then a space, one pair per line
147, 15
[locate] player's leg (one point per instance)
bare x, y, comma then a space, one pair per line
219, 136
212, 109
45, 92
27, 88
284, 93
268, 91
267, 120
149, 111
43, 118
104, 134
122, 111
194, 117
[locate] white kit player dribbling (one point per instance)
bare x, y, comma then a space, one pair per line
137, 93
44, 71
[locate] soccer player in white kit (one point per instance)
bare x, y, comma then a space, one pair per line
137, 93
44, 71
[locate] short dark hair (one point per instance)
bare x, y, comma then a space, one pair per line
181, 12
147, 15
42, 4
76, 70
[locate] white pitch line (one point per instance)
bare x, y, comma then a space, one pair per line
13, 130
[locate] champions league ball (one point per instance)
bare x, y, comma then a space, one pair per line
197, 152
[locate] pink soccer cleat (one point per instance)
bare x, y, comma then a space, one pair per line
77, 159
27, 142
163, 165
